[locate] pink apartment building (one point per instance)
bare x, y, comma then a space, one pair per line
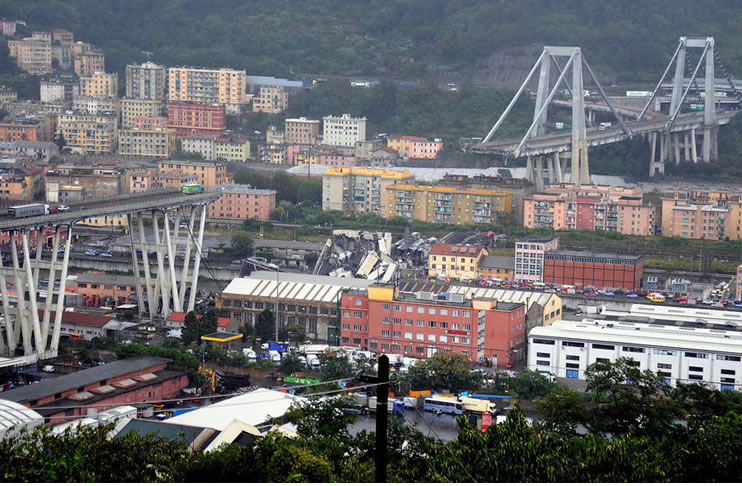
590, 208
241, 201
696, 221
424, 149
142, 180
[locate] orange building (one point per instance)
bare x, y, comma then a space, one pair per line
15, 131
240, 201
105, 287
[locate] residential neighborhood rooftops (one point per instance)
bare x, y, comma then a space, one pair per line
449, 249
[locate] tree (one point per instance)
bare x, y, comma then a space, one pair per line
322, 419
290, 364
529, 384
444, 371
335, 367
191, 331
242, 245
265, 325
247, 330
60, 141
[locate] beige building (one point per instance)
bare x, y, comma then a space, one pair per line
301, 131
446, 204
359, 189
270, 99
199, 85
235, 150
343, 131
89, 63
7, 95
88, 134
97, 106
159, 142
99, 85
210, 174
134, 108
455, 261
33, 54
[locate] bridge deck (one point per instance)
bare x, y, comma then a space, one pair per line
121, 205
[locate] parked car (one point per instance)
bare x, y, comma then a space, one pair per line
106, 254
609, 294
632, 296
63, 209
90, 253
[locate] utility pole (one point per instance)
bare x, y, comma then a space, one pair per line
382, 417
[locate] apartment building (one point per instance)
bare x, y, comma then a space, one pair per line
455, 261
601, 270
97, 106
199, 144
88, 134
7, 95
36, 150
301, 131
59, 90
590, 208
197, 118
210, 174
401, 143
519, 189
446, 204
7, 27
415, 147
145, 81
711, 215
159, 142
359, 189
384, 319
270, 99
343, 131
133, 109
96, 181
241, 201
199, 85
175, 179
33, 54
309, 301
143, 179
14, 131
232, 149
100, 85
21, 184
150, 122
89, 63
529, 258
365, 148
272, 153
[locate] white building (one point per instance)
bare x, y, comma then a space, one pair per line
343, 131
529, 258
200, 144
676, 353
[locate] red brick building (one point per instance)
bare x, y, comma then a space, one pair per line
197, 118
603, 270
421, 324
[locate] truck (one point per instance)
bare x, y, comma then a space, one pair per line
28, 210
274, 346
605, 125
192, 189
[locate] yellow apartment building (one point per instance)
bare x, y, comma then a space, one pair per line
133, 108
100, 85
198, 85
209, 174
359, 189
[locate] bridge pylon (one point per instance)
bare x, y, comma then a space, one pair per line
543, 167
674, 146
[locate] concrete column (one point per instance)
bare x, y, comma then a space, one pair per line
32, 288
529, 169
197, 263
579, 134
539, 173
20, 285
60, 297
187, 260
6, 309
171, 263
550, 168
676, 143
677, 82
686, 146
50, 286
693, 149
135, 260
38, 255
164, 291
559, 175
145, 260
584, 164
541, 94
709, 109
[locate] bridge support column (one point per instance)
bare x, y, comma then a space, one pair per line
164, 288
686, 146
151, 300
9, 318
60, 294
20, 285
197, 263
676, 143
657, 163
32, 288
52, 276
539, 173
187, 260
693, 148
135, 262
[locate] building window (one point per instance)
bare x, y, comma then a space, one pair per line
603, 346
573, 344
543, 341
543, 355
689, 354
431, 324
664, 366
632, 349
572, 357
726, 357
408, 322
420, 337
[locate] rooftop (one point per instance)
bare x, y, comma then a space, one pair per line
590, 254
408, 137
222, 336
81, 318
383, 173
36, 391
455, 190
15, 415
498, 261
245, 189
102, 278
455, 250
293, 286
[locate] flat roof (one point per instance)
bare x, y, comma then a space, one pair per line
72, 381
498, 261
642, 334
253, 408
293, 286
221, 336
103, 278
590, 254
288, 244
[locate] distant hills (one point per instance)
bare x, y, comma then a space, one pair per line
412, 39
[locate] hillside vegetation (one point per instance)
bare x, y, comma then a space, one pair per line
410, 38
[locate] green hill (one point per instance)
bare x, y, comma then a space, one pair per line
405, 38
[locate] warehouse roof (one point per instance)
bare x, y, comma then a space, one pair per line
86, 377
253, 408
102, 278
641, 334
293, 286
15, 415
504, 295
498, 261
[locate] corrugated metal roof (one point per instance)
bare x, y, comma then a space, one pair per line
293, 286
505, 295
